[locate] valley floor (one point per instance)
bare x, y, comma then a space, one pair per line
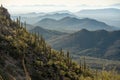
98, 63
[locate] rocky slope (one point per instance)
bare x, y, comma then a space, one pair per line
24, 56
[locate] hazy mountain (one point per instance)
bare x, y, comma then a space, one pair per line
71, 24
110, 16
59, 12
99, 43
100, 11
32, 14
32, 18
47, 34
56, 16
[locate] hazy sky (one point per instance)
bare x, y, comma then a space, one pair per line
23, 6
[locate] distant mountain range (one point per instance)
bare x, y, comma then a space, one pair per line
100, 11
46, 34
56, 16
32, 18
101, 43
110, 16
72, 24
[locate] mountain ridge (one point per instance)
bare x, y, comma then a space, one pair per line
47, 34
100, 43
75, 24
107, 15
100, 10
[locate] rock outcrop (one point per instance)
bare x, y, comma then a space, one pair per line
4, 13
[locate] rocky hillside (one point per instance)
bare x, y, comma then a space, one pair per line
24, 56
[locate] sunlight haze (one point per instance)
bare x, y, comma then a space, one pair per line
16, 6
